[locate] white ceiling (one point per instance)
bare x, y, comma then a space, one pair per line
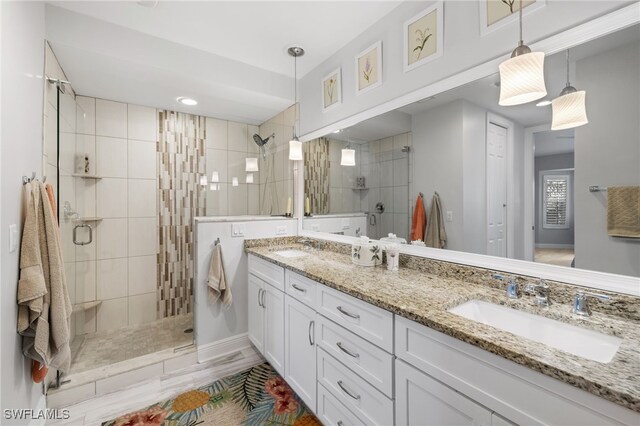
554, 142
230, 56
256, 33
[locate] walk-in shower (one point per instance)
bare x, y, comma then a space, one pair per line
111, 273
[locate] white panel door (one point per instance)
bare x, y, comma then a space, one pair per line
300, 350
256, 313
496, 190
273, 302
422, 400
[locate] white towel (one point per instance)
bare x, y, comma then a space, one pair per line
218, 288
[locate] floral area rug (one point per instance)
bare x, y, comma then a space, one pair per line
257, 396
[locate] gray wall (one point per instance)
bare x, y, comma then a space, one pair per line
450, 157
463, 48
22, 38
544, 236
437, 143
607, 153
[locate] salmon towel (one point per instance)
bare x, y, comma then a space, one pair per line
419, 223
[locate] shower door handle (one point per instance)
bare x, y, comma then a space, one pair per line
75, 234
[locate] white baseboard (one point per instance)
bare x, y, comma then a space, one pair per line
555, 246
223, 347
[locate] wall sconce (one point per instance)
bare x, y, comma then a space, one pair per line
215, 177
348, 157
249, 177
203, 180
234, 181
213, 187
251, 165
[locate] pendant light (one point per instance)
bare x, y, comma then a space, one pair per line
522, 76
295, 146
569, 109
348, 157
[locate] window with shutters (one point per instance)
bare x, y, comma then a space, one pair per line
555, 194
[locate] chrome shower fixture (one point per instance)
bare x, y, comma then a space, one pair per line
262, 142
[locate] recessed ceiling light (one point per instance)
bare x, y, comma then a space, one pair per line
544, 103
187, 101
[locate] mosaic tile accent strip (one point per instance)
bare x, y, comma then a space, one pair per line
316, 174
181, 160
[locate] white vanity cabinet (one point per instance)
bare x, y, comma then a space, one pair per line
422, 400
256, 312
266, 328
300, 350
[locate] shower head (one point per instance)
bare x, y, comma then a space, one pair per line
262, 142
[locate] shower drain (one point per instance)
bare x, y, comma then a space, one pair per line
189, 330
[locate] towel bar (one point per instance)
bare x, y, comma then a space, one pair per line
596, 188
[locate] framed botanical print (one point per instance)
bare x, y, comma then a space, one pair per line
369, 68
495, 14
332, 90
423, 37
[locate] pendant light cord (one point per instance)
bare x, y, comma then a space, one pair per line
520, 13
295, 95
568, 84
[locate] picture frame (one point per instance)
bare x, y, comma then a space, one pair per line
332, 90
424, 37
496, 14
368, 66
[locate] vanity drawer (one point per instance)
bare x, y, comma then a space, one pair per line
365, 320
332, 412
267, 271
301, 288
368, 403
366, 359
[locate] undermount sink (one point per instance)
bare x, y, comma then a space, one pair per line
565, 337
290, 253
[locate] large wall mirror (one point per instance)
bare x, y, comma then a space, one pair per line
507, 184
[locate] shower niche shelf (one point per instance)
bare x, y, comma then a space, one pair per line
80, 307
88, 219
83, 176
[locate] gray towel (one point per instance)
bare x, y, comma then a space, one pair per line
436, 236
217, 282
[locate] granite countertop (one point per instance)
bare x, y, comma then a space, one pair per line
425, 298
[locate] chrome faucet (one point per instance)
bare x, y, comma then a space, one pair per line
541, 291
581, 302
308, 244
512, 286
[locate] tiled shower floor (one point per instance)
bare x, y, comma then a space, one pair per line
109, 347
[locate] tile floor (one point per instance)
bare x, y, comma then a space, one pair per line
108, 347
560, 257
96, 410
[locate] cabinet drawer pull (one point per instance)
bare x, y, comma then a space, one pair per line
349, 314
347, 391
303, 290
311, 323
260, 297
347, 351
263, 293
